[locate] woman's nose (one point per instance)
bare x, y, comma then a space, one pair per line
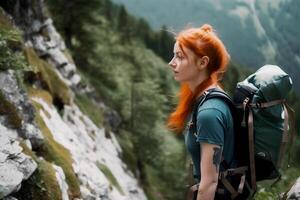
172, 63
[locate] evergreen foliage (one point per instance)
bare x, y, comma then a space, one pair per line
11, 56
255, 32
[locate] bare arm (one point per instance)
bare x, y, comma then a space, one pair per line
211, 156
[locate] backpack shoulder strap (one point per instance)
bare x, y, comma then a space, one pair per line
210, 94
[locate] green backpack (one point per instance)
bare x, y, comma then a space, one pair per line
263, 124
266, 118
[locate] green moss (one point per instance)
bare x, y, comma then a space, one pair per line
128, 155
9, 110
42, 185
10, 58
68, 55
4, 20
11, 44
153, 181
9, 32
56, 153
53, 151
112, 179
26, 150
49, 77
90, 109
40, 93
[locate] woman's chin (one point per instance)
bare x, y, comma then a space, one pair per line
176, 78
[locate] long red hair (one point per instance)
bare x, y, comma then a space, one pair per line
202, 41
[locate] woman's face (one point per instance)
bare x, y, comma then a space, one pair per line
184, 65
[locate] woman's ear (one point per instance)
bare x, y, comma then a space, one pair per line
203, 62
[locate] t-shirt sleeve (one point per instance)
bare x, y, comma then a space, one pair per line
210, 126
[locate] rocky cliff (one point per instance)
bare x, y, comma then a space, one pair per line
49, 149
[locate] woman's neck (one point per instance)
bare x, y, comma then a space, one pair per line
207, 88
204, 85
195, 84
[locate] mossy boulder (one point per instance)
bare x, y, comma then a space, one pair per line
10, 111
49, 77
42, 185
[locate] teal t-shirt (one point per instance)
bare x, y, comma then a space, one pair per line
214, 126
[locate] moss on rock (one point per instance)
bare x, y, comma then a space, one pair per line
10, 111
109, 175
10, 32
26, 149
88, 107
42, 185
58, 154
68, 55
11, 44
40, 93
128, 155
49, 77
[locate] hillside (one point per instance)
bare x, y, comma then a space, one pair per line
255, 32
89, 130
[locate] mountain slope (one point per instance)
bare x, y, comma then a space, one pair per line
49, 148
255, 32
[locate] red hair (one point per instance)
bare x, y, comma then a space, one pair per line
202, 41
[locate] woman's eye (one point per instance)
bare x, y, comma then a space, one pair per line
179, 57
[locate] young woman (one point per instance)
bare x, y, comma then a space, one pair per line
200, 59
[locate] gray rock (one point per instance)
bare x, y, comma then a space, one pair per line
37, 42
36, 26
10, 198
10, 133
86, 194
9, 87
25, 165
8, 146
17, 97
113, 119
10, 179
28, 144
57, 57
294, 193
75, 79
3, 157
69, 68
12, 149
40, 33
31, 132
55, 39
14, 165
61, 179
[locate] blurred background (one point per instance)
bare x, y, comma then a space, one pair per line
120, 50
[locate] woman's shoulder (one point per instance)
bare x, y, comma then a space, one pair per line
215, 104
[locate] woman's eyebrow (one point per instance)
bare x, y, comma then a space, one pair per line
178, 52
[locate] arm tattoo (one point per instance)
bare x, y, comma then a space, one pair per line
217, 157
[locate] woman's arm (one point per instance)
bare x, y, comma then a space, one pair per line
211, 156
